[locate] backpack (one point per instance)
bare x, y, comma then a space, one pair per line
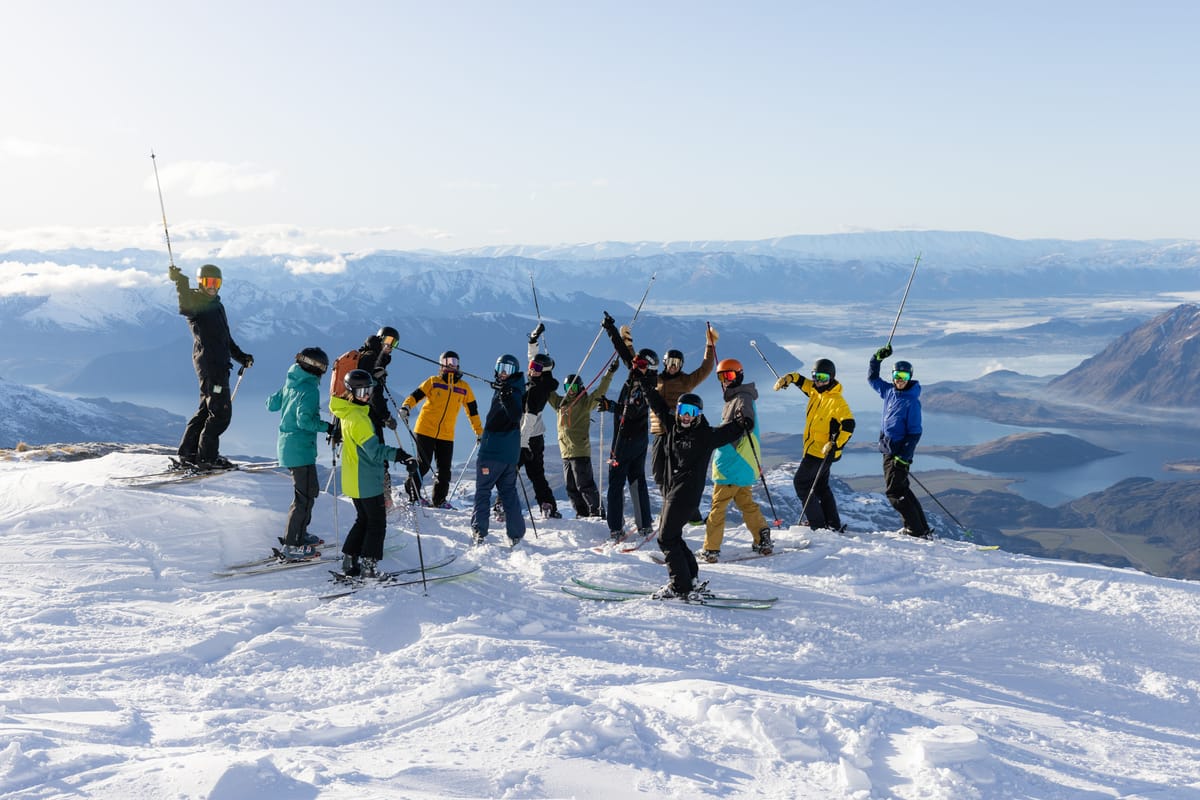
341, 367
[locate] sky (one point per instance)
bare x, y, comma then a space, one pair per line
887, 668
341, 127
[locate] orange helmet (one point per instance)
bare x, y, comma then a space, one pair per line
729, 371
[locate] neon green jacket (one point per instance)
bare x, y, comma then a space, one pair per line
363, 454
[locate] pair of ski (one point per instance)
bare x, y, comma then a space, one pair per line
395, 578
743, 556
181, 473
589, 590
276, 562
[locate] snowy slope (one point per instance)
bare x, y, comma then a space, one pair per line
889, 668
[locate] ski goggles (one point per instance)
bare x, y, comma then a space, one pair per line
573, 387
389, 341
640, 362
505, 368
363, 393
534, 366
728, 375
822, 377
673, 362
449, 364
687, 410
210, 283
901, 375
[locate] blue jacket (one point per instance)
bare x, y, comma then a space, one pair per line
900, 429
300, 402
502, 428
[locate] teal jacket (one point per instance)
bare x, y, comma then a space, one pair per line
737, 464
299, 401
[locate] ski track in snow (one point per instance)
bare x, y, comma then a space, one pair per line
889, 668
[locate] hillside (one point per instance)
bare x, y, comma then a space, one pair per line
888, 668
35, 417
1026, 452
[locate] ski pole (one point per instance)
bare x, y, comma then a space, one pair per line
813, 488
528, 506
420, 552
241, 371
904, 298
762, 476
454, 491
969, 533
336, 494
601, 453
538, 309
166, 233
754, 344
488, 381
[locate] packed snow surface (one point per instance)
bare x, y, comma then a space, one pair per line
889, 668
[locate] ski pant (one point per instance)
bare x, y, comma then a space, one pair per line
431, 451
900, 495
503, 478
681, 562
305, 489
628, 466
533, 461
201, 437
723, 494
821, 511
658, 468
369, 529
581, 486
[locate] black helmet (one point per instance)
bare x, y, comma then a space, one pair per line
359, 383
685, 400
903, 366
388, 330
448, 361
510, 364
826, 366
573, 380
543, 361
314, 360
649, 355
209, 271
673, 353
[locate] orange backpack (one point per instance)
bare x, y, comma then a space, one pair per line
341, 367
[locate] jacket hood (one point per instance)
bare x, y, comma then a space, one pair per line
748, 390
298, 376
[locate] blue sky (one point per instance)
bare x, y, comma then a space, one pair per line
362, 125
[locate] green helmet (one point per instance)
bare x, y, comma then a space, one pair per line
209, 271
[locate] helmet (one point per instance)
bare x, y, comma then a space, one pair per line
573, 380
359, 383
388, 332
209, 271
647, 355
730, 365
903, 366
448, 361
314, 360
542, 362
693, 404
673, 354
826, 366
507, 365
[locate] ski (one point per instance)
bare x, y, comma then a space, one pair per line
743, 556
275, 563
633, 591
388, 584
747, 604
625, 543
384, 577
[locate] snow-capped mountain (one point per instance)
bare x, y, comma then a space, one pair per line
35, 417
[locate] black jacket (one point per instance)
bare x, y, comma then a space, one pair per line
688, 451
213, 347
632, 409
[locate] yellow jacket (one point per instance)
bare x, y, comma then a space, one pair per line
828, 418
444, 396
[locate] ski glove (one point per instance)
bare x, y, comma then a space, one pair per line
248, 361
711, 335
604, 404
787, 380
390, 423
536, 332
614, 366
609, 322
827, 449
403, 412
747, 423
883, 352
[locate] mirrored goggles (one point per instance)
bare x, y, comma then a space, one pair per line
727, 375
363, 392
821, 377
901, 375
574, 387
210, 283
535, 367
640, 363
687, 410
673, 362
505, 368
389, 341
450, 365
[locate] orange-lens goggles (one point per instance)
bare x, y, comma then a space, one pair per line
728, 375
390, 341
210, 283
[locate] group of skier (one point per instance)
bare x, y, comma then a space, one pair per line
511, 437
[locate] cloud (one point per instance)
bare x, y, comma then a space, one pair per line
12, 147
46, 278
333, 266
208, 178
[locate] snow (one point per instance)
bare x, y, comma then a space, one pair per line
889, 668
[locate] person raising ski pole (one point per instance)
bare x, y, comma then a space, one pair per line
899, 431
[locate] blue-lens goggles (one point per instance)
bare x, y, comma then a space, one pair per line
687, 410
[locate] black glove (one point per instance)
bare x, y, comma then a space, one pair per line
604, 404
390, 423
412, 465
883, 352
614, 366
526, 455
248, 361
747, 423
609, 322
536, 332
380, 374
330, 427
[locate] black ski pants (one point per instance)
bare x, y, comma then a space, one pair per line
900, 495
305, 489
821, 511
201, 437
369, 529
629, 468
581, 486
681, 562
533, 461
432, 451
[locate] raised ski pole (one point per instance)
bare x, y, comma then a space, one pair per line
166, 233
904, 298
538, 309
488, 381
754, 344
637, 311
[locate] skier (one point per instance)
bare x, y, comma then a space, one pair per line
736, 467
900, 430
828, 426
299, 401
212, 349
631, 411
690, 442
673, 382
575, 440
374, 357
499, 452
364, 463
541, 385
444, 394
